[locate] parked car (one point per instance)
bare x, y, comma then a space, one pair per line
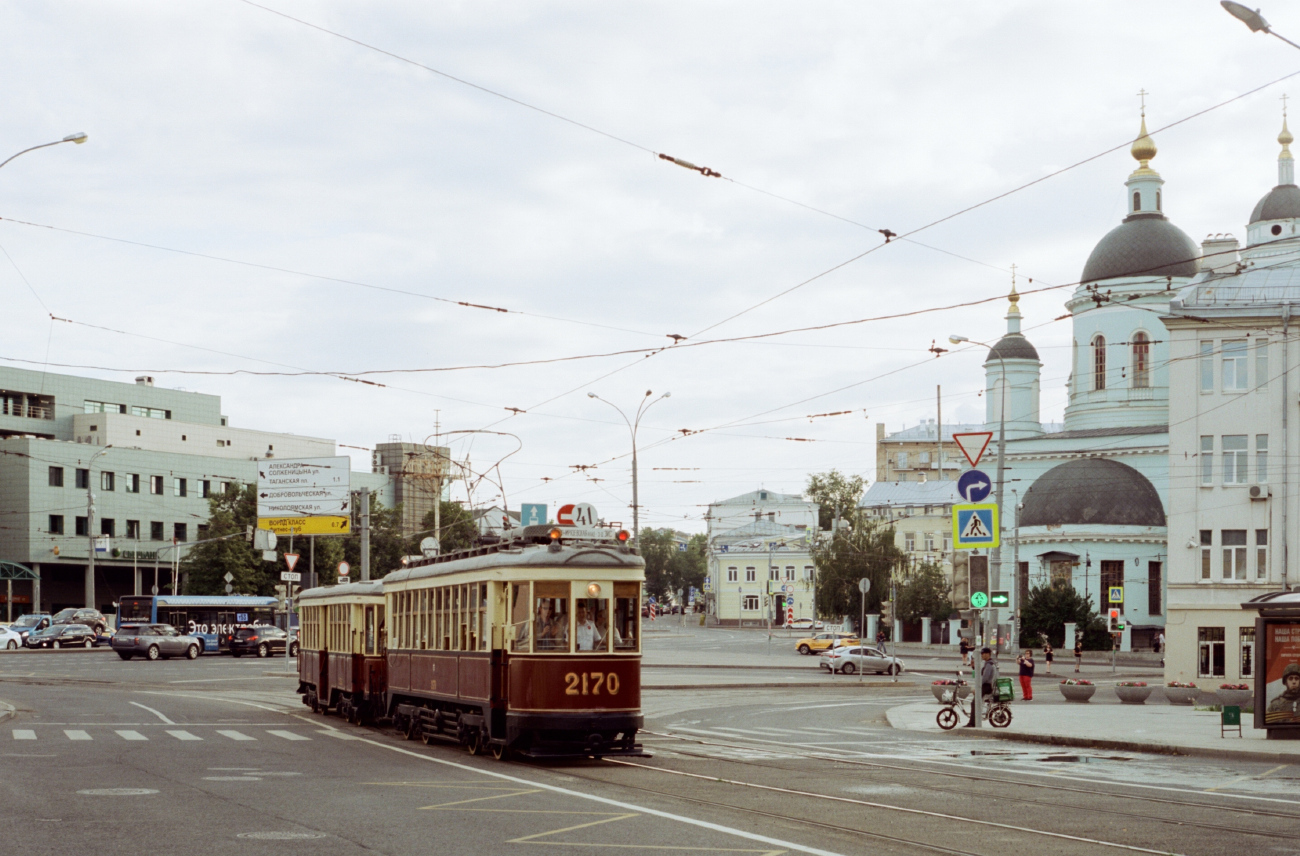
263, 641
28, 623
823, 641
805, 624
10, 639
850, 659
155, 641
62, 636
92, 618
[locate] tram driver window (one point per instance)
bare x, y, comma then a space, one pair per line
551, 616
627, 613
591, 624
519, 623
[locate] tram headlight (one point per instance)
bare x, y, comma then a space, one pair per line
593, 590
555, 534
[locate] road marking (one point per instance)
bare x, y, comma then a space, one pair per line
24, 734
288, 735
1239, 779
183, 735
234, 735
74, 734
165, 720
132, 735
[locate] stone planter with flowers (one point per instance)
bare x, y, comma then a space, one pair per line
1240, 695
1181, 692
946, 685
1132, 692
1077, 689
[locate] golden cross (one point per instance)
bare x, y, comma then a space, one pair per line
1284, 98
1013, 274
1142, 93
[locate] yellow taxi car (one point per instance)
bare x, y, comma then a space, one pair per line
825, 641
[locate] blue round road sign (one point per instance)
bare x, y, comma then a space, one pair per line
974, 486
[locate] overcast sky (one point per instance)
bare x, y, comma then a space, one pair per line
222, 129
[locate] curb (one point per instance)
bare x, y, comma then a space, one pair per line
25, 650
1147, 748
293, 674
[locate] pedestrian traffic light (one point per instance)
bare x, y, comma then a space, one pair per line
1116, 625
886, 612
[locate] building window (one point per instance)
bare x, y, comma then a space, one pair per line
83, 479
80, 526
902, 460
56, 524
155, 530
151, 412
156, 485
1261, 458
1112, 574
1137, 200
103, 407
1141, 361
1207, 460
1212, 652
947, 542
751, 575
225, 487
929, 542
732, 575
909, 542
789, 573
1261, 364
807, 572
751, 603
1099, 362
1233, 542
1207, 547
1235, 468
108, 526
133, 530
203, 531
56, 476
1207, 367
179, 487
1234, 365
180, 531
923, 458
1247, 635
773, 573
1157, 200
131, 482
1261, 553
1154, 585
107, 481
207, 488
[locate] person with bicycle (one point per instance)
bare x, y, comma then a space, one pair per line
988, 679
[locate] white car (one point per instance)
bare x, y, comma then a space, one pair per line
805, 624
9, 640
850, 659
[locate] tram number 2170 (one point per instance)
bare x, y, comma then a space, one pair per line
590, 683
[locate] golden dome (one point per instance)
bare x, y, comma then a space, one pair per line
1285, 139
1144, 148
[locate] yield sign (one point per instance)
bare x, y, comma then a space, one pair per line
973, 445
291, 559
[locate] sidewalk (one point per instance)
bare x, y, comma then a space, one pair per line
1158, 728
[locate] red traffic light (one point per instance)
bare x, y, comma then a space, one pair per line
1114, 613
623, 535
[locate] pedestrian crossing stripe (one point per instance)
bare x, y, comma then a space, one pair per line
975, 525
81, 735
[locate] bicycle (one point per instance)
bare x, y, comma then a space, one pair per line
996, 710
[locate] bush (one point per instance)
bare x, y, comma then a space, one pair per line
1049, 608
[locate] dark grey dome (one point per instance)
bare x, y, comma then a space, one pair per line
1012, 346
1280, 203
1142, 245
1092, 491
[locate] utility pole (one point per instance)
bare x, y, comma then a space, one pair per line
365, 534
938, 412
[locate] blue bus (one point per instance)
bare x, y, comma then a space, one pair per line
209, 618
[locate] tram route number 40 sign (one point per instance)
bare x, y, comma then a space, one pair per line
975, 525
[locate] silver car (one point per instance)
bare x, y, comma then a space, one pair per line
154, 642
851, 659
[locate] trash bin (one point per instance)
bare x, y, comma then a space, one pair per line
1004, 690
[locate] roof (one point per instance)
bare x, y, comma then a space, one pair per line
929, 431
1012, 346
369, 588
1280, 203
760, 495
1084, 433
760, 529
1142, 245
1270, 284
571, 555
890, 494
203, 600
1281, 601
1092, 492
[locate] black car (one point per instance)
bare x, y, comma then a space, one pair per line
92, 618
62, 636
262, 641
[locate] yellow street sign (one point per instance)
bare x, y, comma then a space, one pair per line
306, 525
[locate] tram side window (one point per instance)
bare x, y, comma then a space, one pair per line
591, 624
370, 630
551, 616
627, 616
520, 633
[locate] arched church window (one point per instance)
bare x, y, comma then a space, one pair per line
1137, 201
1099, 363
1157, 200
1141, 361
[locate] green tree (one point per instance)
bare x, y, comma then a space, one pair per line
668, 568
1049, 608
205, 565
863, 549
834, 493
387, 543
458, 529
924, 593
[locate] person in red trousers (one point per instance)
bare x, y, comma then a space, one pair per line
1026, 663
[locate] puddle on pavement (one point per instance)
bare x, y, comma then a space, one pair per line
1050, 758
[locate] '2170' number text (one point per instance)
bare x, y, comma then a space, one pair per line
590, 683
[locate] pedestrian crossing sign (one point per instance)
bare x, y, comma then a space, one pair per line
975, 525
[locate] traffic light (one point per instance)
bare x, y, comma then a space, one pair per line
248, 532
887, 613
1116, 624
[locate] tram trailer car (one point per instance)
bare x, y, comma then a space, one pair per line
530, 646
341, 650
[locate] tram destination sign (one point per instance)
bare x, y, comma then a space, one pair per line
306, 496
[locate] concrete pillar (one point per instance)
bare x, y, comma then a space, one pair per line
1126, 638
954, 633
925, 632
1069, 639
873, 626
36, 588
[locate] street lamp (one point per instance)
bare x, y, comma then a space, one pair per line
90, 521
1254, 20
78, 138
632, 426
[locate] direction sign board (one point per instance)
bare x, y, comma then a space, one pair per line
1116, 594
1000, 598
973, 445
974, 486
532, 514
979, 599
975, 526
293, 494
290, 576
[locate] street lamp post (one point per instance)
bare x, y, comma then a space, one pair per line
78, 138
1251, 18
90, 522
632, 426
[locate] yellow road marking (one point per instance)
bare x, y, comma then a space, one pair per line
479, 799
1247, 778
533, 839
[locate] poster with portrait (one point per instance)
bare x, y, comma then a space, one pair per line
1282, 674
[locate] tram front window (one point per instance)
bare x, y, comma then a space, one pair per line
591, 625
551, 624
627, 616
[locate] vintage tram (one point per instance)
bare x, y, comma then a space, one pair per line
341, 650
530, 646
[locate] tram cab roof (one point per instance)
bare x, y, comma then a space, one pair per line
351, 591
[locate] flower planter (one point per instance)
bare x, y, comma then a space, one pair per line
1182, 695
1240, 698
1133, 695
939, 689
1077, 692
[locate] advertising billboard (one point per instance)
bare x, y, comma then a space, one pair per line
1281, 673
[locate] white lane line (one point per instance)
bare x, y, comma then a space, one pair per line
24, 734
165, 720
183, 735
288, 735
74, 734
131, 735
234, 735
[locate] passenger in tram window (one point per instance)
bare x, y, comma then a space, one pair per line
551, 624
625, 615
586, 632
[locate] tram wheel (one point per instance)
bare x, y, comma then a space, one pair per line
475, 744
314, 701
412, 728
500, 751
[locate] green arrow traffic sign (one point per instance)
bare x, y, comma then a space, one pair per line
1000, 598
979, 599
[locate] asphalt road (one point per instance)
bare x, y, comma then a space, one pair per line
215, 755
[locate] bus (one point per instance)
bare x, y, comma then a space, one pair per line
209, 618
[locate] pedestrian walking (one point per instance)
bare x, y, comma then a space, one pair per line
1048, 655
965, 648
1026, 663
1160, 641
1078, 654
